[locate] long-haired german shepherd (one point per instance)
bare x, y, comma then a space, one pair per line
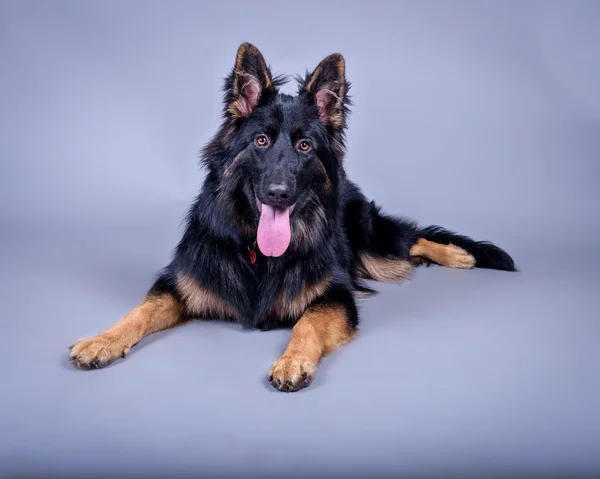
279, 236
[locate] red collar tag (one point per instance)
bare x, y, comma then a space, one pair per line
251, 254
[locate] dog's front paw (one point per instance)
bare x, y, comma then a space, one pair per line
96, 352
291, 373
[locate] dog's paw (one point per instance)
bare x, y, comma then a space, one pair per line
459, 258
291, 373
96, 352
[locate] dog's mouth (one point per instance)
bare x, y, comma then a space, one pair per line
274, 232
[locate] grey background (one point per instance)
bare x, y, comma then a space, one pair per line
481, 116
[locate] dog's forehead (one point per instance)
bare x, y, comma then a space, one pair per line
293, 113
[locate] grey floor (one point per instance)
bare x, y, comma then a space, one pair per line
480, 116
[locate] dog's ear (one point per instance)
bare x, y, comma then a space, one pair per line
248, 82
327, 88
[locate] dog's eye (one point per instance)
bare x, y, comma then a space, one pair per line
304, 146
261, 141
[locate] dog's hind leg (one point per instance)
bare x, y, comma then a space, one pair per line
425, 251
159, 310
452, 249
386, 246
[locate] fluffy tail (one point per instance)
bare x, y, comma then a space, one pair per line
487, 255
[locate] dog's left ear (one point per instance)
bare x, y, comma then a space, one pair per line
249, 81
327, 88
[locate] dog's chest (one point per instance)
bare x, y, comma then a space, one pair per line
282, 295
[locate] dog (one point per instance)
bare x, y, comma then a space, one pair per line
278, 236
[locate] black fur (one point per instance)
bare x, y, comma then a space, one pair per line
278, 232
332, 224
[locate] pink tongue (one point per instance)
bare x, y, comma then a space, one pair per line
273, 236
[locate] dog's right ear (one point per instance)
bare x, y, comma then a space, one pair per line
249, 82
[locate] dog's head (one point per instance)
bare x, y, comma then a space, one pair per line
277, 158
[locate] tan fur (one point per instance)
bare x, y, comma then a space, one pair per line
315, 74
285, 307
202, 302
153, 314
320, 331
327, 187
358, 295
304, 231
233, 165
384, 269
234, 108
446, 255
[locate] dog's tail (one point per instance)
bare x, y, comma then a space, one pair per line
486, 255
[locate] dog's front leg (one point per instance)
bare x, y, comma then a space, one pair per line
156, 312
326, 325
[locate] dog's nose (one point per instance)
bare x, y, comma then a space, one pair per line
278, 193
